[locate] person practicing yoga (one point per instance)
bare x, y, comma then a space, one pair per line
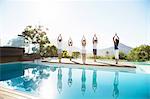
116, 49
95, 41
59, 43
83, 42
70, 44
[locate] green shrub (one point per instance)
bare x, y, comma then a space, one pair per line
75, 54
141, 53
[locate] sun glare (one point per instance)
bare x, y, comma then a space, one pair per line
47, 89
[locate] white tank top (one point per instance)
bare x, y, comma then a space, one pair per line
59, 44
83, 50
95, 45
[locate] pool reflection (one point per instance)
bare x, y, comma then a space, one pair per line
116, 83
29, 79
70, 77
59, 81
13, 74
94, 82
83, 79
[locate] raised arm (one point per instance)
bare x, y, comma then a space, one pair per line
61, 37
71, 41
117, 37
68, 42
96, 39
114, 38
85, 41
93, 40
81, 40
58, 38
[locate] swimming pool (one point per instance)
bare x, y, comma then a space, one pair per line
57, 82
142, 63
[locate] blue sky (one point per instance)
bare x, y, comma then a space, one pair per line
75, 18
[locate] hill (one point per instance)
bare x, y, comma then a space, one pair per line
110, 51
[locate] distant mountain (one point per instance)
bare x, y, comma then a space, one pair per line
124, 48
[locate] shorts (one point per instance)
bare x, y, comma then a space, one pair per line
59, 51
116, 54
95, 51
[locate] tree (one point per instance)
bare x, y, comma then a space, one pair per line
50, 51
75, 54
65, 54
147, 50
46, 51
122, 55
107, 53
53, 51
107, 56
36, 35
141, 53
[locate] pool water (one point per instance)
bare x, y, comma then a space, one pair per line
142, 63
55, 82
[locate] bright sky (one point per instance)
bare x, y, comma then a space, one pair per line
129, 18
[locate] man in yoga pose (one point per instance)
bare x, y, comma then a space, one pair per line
59, 42
83, 42
95, 41
116, 43
70, 44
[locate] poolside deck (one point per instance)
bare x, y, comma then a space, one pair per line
6, 93
90, 63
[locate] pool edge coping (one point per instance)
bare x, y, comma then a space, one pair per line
15, 93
